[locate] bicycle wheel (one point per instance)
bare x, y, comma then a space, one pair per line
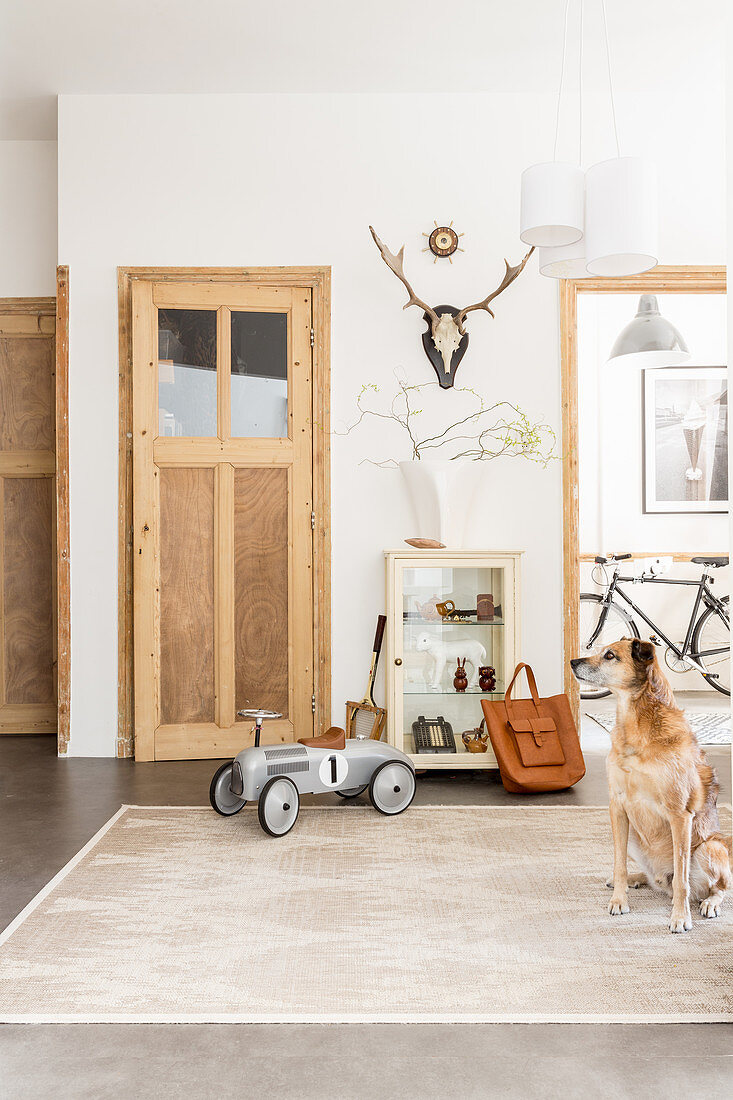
617, 625
711, 646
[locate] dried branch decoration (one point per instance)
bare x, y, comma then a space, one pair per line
487, 432
445, 330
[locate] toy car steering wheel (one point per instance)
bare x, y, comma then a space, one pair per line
259, 716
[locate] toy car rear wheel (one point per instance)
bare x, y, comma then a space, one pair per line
352, 792
392, 787
221, 796
278, 806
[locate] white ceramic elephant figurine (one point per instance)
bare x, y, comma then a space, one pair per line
444, 651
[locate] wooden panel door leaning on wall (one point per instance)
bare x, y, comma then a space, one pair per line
223, 591
27, 516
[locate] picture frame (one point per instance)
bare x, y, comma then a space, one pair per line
685, 440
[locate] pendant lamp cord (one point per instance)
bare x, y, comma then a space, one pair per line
610, 78
580, 90
562, 79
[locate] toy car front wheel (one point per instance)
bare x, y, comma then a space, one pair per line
392, 787
221, 796
278, 806
352, 792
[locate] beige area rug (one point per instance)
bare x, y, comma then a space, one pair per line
711, 727
443, 914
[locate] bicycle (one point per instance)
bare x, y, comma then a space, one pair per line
603, 620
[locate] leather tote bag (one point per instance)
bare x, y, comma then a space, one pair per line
534, 740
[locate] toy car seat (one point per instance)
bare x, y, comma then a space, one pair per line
334, 738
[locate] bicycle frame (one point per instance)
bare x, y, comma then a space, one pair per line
704, 595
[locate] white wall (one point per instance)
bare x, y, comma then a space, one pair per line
268, 179
27, 219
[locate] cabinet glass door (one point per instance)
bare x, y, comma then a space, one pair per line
468, 630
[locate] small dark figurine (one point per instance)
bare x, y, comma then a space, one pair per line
460, 680
487, 678
475, 740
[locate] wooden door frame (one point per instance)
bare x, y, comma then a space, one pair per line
58, 308
661, 280
63, 534
318, 280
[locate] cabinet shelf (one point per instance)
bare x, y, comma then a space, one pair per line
426, 693
427, 623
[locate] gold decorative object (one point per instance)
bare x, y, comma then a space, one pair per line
447, 611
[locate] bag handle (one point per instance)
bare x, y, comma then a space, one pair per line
536, 726
532, 686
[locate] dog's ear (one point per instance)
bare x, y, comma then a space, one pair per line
642, 652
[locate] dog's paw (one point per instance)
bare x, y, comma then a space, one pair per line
710, 907
617, 906
680, 922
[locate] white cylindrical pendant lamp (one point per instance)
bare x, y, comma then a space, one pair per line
567, 262
621, 220
551, 204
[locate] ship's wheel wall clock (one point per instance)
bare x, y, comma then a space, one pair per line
443, 242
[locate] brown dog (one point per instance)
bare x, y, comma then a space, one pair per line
662, 790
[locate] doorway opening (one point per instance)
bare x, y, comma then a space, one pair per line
645, 485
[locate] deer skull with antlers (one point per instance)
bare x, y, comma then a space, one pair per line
445, 340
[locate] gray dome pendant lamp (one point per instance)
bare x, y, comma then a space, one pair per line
649, 340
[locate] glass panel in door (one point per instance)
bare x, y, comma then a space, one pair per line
259, 374
187, 372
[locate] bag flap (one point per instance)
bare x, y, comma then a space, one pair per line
538, 725
539, 749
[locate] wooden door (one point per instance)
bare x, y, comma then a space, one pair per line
27, 516
222, 515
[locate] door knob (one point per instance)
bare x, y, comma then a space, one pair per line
398, 660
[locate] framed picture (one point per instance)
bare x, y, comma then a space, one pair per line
685, 439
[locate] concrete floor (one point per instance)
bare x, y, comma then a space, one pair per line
49, 808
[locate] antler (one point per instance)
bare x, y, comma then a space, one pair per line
509, 277
395, 264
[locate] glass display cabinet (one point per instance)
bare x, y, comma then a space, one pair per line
448, 612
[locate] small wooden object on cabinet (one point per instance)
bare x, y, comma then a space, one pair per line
460, 679
476, 740
485, 607
487, 678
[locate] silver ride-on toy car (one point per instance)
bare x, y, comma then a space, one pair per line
275, 776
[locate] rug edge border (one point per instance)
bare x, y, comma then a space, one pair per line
59, 877
364, 1018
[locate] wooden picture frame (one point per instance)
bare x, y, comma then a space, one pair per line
318, 280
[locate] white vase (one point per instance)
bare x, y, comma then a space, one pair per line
441, 493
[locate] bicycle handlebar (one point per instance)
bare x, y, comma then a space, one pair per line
612, 557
